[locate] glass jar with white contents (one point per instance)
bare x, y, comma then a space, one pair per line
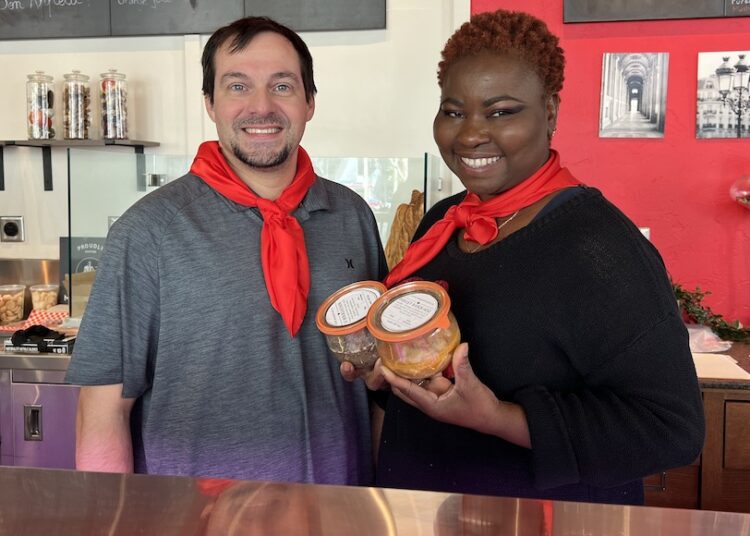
44, 296
12, 301
415, 329
342, 318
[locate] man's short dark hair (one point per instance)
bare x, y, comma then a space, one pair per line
241, 32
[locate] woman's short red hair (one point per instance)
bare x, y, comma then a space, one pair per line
509, 32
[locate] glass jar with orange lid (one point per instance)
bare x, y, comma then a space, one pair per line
342, 318
415, 330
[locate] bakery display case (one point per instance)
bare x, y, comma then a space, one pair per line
103, 183
385, 183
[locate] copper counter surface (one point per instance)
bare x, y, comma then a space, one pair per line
40, 501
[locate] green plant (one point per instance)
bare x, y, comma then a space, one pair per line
691, 303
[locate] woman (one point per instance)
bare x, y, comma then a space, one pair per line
577, 379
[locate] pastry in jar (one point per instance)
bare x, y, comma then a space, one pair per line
415, 330
342, 318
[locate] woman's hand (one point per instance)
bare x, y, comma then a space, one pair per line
373, 377
467, 402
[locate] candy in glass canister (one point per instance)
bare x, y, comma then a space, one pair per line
77, 106
114, 95
40, 99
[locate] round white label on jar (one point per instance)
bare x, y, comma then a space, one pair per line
351, 307
409, 312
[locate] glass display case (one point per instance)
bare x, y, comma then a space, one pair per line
104, 183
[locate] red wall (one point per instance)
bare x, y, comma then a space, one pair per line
679, 185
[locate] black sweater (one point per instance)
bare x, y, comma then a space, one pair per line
572, 317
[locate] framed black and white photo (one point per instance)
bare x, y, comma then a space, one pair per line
722, 107
633, 95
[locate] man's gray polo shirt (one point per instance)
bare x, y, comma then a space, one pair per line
179, 314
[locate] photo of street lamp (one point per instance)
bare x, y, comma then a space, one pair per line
723, 100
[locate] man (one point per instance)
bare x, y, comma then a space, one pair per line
199, 336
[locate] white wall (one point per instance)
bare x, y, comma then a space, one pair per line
377, 95
155, 70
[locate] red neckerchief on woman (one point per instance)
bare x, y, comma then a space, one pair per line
282, 242
478, 218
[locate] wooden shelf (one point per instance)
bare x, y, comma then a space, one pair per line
79, 143
47, 145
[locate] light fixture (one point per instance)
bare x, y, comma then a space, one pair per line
740, 191
734, 88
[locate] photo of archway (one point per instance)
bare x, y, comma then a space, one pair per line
722, 107
633, 95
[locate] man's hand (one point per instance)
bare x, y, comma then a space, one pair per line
373, 377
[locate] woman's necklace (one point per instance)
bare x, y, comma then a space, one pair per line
499, 226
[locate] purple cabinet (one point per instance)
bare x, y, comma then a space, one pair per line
43, 413
6, 422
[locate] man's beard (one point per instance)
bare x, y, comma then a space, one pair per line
262, 161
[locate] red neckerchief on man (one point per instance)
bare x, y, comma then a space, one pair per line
286, 268
478, 217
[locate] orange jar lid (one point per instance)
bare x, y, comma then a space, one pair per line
345, 311
408, 311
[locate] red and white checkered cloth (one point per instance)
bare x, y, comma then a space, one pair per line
42, 318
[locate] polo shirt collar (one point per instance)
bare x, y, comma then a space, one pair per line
315, 199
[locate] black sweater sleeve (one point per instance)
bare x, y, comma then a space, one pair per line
636, 408
640, 412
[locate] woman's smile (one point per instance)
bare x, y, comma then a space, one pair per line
479, 163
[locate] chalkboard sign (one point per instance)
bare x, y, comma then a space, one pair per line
620, 10
24, 19
175, 17
33, 19
737, 8
321, 15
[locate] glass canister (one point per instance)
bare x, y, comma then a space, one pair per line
40, 100
415, 330
44, 296
76, 106
12, 301
342, 318
114, 97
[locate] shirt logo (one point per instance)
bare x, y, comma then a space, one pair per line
350, 263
